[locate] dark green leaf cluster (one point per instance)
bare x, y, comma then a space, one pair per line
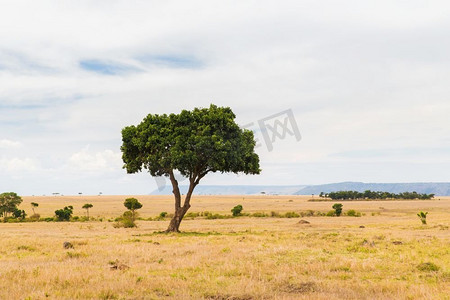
64, 214
8, 203
236, 211
132, 204
193, 142
354, 195
87, 206
19, 214
337, 209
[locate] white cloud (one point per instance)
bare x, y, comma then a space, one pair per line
9, 144
89, 161
15, 165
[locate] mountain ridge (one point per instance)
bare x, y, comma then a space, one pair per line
437, 188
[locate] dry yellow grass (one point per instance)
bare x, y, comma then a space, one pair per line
239, 258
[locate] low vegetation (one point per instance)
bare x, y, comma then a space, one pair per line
423, 217
372, 195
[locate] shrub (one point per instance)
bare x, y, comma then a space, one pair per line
19, 214
215, 216
192, 215
428, 267
274, 214
331, 213
236, 211
163, 214
127, 220
259, 215
64, 214
291, 214
353, 213
423, 217
337, 208
35, 217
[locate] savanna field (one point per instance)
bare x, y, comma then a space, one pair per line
386, 253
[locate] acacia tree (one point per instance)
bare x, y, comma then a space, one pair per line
86, 207
132, 204
34, 205
194, 143
9, 202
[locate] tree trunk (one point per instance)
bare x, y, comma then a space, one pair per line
180, 211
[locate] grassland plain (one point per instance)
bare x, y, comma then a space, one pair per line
392, 257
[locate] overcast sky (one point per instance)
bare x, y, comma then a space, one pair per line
367, 83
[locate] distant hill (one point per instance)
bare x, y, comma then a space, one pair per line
235, 190
438, 188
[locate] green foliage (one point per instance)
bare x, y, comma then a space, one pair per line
193, 142
192, 215
64, 214
19, 214
87, 206
132, 204
331, 213
428, 267
216, 216
8, 203
163, 214
259, 215
353, 213
127, 220
291, 214
423, 217
337, 209
371, 195
236, 211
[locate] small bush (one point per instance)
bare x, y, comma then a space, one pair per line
27, 248
215, 216
428, 267
126, 220
291, 214
353, 213
163, 214
331, 213
35, 217
192, 215
274, 214
259, 215
423, 217
236, 211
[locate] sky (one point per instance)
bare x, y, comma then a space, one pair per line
366, 83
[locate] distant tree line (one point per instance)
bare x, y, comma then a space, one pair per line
354, 195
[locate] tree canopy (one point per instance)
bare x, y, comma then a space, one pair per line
194, 143
9, 202
354, 195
